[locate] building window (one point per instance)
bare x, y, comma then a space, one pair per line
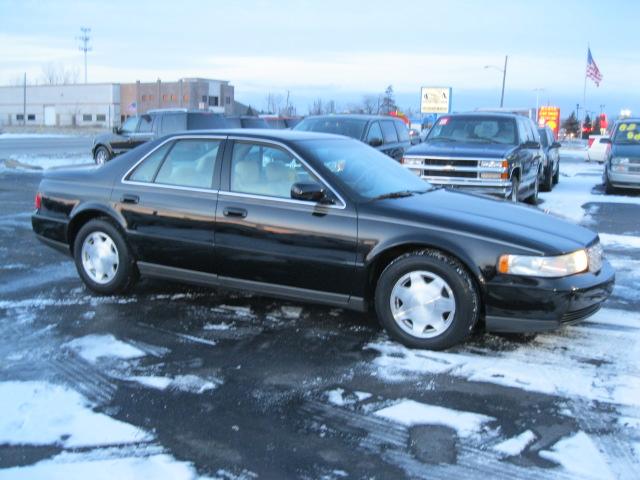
185, 98
87, 117
213, 101
101, 117
228, 100
204, 99
19, 116
173, 98
31, 117
144, 98
150, 97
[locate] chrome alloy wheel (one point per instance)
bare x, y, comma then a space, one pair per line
422, 304
100, 257
101, 156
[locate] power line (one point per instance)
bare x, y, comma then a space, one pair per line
84, 47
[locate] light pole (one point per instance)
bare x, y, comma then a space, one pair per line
538, 90
84, 47
504, 77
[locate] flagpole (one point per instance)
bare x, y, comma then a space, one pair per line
584, 95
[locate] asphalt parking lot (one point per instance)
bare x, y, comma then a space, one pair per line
181, 382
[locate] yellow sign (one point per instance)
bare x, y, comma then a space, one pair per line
435, 100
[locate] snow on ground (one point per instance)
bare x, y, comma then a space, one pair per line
93, 347
598, 360
410, 412
624, 241
515, 445
7, 136
48, 161
579, 456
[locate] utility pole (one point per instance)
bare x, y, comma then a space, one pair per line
84, 47
504, 78
24, 101
537, 90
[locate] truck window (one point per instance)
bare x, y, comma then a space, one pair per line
146, 122
173, 122
389, 132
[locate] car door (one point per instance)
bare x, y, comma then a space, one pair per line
144, 132
404, 139
526, 157
374, 136
265, 236
168, 200
122, 141
390, 136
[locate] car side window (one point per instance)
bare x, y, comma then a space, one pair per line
389, 132
523, 131
130, 124
145, 124
403, 131
146, 171
375, 133
533, 132
259, 169
189, 163
173, 122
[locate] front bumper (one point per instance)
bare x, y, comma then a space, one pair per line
500, 188
528, 304
623, 180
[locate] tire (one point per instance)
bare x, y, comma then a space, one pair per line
533, 198
101, 155
452, 301
547, 182
556, 174
109, 270
608, 188
515, 187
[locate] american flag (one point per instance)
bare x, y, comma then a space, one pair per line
593, 72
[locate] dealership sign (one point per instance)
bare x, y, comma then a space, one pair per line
435, 100
550, 117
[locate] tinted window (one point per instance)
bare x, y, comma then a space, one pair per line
627, 132
130, 125
276, 122
389, 132
233, 122
363, 170
403, 131
203, 121
533, 132
254, 123
350, 127
146, 171
375, 133
474, 129
544, 137
189, 163
145, 124
262, 170
174, 122
523, 131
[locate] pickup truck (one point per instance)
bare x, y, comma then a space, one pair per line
489, 153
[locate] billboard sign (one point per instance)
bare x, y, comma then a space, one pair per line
435, 100
549, 116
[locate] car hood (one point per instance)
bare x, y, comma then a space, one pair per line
495, 220
461, 149
618, 150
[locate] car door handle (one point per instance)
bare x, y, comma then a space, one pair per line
234, 212
128, 198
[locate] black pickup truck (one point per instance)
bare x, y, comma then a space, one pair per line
491, 153
158, 123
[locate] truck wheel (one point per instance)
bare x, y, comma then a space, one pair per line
547, 182
556, 174
608, 188
533, 198
515, 189
101, 155
427, 299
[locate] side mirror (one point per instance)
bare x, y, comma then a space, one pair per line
309, 192
117, 130
606, 140
531, 144
375, 142
556, 145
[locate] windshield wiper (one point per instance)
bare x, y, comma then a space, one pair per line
441, 139
400, 194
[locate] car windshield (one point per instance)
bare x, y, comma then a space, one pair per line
350, 127
364, 171
627, 132
474, 130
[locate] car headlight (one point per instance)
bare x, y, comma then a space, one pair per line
494, 164
412, 161
536, 266
619, 160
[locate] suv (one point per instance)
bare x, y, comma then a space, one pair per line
387, 134
491, 153
551, 159
154, 124
622, 166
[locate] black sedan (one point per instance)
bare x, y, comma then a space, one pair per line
325, 219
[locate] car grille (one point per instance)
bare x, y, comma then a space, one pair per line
581, 314
449, 173
596, 256
450, 167
450, 162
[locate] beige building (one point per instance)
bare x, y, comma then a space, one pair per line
191, 93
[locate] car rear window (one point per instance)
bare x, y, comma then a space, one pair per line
253, 123
403, 132
389, 131
205, 121
173, 122
349, 127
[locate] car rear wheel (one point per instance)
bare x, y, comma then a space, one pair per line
556, 174
533, 198
608, 188
103, 259
101, 155
547, 183
427, 299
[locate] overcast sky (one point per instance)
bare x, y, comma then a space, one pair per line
341, 50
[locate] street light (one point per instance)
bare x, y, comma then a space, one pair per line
504, 76
537, 90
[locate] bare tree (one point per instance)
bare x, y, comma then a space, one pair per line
371, 104
274, 103
388, 102
316, 108
330, 107
58, 74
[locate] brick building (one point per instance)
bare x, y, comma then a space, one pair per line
192, 93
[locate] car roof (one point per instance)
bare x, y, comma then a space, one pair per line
355, 116
485, 114
265, 134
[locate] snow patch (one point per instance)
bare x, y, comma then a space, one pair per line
217, 326
194, 384
93, 347
624, 241
515, 445
578, 455
40, 413
410, 412
160, 383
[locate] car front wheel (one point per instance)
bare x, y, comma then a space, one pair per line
427, 299
101, 155
103, 259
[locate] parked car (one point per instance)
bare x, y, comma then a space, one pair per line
154, 124
282, 122
246, 122
322, 218
551, 159
598, 148
387, 134
414, 136
622, 165
490, 153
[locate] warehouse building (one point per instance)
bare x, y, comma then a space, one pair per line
191, 93
77, 105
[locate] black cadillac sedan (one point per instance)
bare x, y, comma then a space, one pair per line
326, 219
